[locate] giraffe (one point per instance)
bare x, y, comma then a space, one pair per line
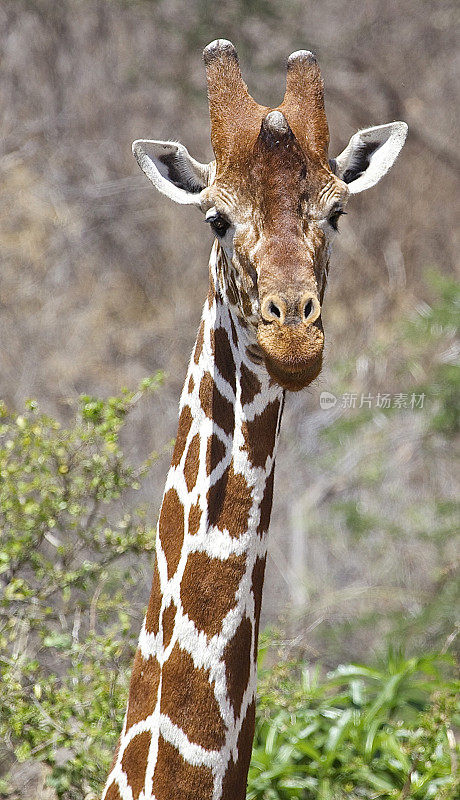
273, 200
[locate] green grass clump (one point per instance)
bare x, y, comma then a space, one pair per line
361, 732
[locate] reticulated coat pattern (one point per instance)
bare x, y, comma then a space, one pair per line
191, 701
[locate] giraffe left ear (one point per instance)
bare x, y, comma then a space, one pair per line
369, 155
172, 169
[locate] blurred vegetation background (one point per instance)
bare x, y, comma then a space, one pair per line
101, 285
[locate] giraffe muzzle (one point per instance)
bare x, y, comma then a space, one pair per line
290, 335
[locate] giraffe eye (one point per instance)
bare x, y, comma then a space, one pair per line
334, 218
219, 224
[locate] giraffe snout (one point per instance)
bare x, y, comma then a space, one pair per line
285, 309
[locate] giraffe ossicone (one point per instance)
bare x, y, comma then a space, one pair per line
273, 199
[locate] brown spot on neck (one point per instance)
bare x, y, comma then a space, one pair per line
169, 616
199, 343
153, 610
211, 291
215, 405
237, 657
185, 423
208, 589
194, 519
232, 291
229, 503
235, 779
266, 504
113, 793
134, 762
174, 778
250, 385
215, 452
258, 573
260, 434
188, 700
223, 356
246, 303
143, 689
171, 529
192, 462
234, 333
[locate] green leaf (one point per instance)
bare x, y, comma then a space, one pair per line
336, 735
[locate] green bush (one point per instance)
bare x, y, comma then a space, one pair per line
361, 732
65, 569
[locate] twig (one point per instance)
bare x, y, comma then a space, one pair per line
93, 606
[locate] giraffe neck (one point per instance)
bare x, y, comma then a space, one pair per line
189, 724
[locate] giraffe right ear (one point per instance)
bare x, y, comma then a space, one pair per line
369, 155
172, 169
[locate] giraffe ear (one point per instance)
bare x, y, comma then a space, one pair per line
369, 155
172, 169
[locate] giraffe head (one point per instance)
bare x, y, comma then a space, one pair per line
273, 199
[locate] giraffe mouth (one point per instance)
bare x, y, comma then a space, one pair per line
294, 379
294, 355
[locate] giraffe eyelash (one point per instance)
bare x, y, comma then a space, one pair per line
333, 219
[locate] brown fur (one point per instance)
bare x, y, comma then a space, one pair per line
208, 589
215, 405
171, 529
153, 610
215, 451
259, 434
258, 572
191, 463
113, 793
211, 293
293, 357
304, 90
143, 689
266, 504
169, 615
234, 334
174, 778
185, 422
188, 700
134, 762
199, 343
234, 783
250, 385
194, 519
229, 503
223, 356
234, 114
237, 658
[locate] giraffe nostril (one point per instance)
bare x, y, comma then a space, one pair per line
273, 308
310, 308
307, 309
